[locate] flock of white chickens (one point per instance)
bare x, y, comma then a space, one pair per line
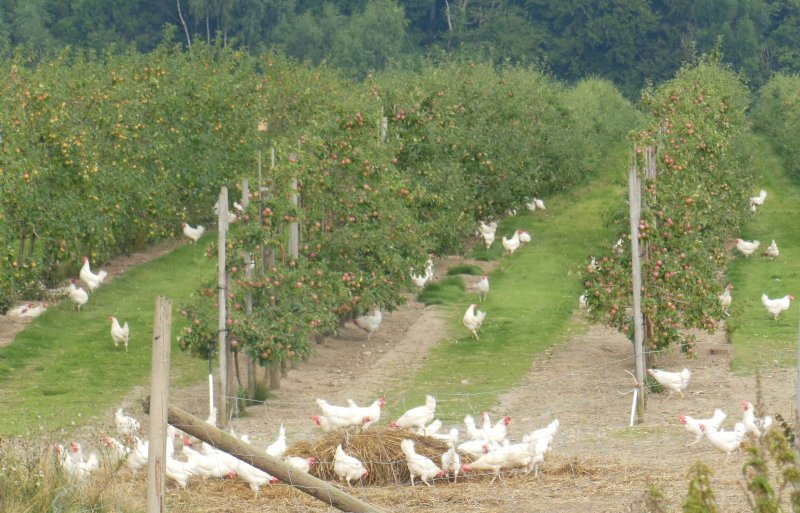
774, 306
710, 428
487, 446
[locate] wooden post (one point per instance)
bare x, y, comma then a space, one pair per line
306, 483
635, 201
248, 301
159, 392
222, 299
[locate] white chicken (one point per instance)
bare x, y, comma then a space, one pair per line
531, 206
488, 239
692, 424
476, 448
473, 433
758, 200
29, 310
482, 287
511, 244
231, 215
278, 447
772, 251
525, 236
725, 441
417, 417
74, 464
251, 475
672, 381
179, 471
206, 465
302, 464
370, 322
747, 247
334, 417
124, 454
619, 247
493, 461
419, 465
421, 280
776, 306
725, 299
473, 318
451, 460
193, 233
369, 414
92, 280
539, 203
546, 433
497, 432
348, 468
120, 334
753, 424
77, 295
431, 429
126, 425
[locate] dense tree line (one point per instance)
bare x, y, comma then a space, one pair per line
629, 42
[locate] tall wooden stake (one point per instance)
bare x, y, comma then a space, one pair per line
222, 339
635, 201
248, 300
159, 393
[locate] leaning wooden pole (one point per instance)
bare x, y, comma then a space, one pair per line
635, 201
159, 391
306, 483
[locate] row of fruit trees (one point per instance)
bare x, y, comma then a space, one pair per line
103, 155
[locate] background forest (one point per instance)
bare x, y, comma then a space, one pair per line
629, 42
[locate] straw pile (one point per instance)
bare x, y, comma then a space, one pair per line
378, 449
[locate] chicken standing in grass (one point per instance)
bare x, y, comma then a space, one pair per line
473, 318
482, 287
758, 200
92, 280
672, 381
511, 245
772, 251
776, 306
77, 295
192, 233
746, 247
120, 334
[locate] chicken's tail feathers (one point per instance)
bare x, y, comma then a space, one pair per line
407, 446
101, 275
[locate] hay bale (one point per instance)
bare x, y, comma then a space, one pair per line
378, 449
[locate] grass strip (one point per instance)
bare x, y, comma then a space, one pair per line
63, 369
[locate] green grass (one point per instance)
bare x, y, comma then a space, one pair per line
446, 291
533, 295
470, 269
64, 368
759, 340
